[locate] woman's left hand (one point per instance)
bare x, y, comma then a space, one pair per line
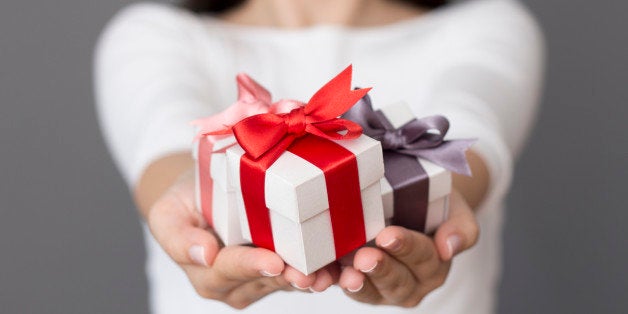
407, 265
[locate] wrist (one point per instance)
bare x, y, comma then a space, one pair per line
473, 189
160, 176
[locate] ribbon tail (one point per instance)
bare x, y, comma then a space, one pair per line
206, 125
334, 98
333, 129
449, 155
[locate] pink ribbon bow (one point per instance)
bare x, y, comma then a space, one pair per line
252, 99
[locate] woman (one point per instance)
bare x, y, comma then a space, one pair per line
160, 66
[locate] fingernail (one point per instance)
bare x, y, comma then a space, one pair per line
297, 286
453, 244
356, 289
392, 245
370, 269
314, 291
197, 255
268, 274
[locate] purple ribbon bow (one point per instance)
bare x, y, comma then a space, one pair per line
422, 138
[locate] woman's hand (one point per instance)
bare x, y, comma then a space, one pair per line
408, 265
235, 275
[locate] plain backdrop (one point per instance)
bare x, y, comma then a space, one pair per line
70, 240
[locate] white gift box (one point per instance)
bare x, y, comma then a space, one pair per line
224, 213
296, 195
399, 114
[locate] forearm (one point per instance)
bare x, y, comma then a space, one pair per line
158, 177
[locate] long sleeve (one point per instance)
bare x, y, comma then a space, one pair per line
149, 85
490, 84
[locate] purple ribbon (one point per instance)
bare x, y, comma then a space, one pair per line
419, 138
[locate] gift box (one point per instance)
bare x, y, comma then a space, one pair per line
307, 182
217, 201
418, 163
297, 196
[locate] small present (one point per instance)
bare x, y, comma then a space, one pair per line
217, 201
418, 163
307, 182
314, 221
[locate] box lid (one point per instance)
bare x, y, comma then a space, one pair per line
296, 189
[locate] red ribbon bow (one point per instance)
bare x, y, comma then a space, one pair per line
269, 134
264, 137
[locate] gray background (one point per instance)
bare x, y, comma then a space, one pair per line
70, 241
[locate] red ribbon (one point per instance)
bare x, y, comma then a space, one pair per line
343, 189
272, 133
265, 137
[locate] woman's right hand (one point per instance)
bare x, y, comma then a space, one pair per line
235, 275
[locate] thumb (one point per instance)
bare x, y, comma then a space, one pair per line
460, 232
179, 230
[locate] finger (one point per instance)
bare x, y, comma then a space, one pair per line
324, 279
297, 279
179, 231
351, 279
417, 252
394, 281
407, 246
358, 287
459, 232
237, 264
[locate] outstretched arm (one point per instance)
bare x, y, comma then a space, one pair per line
487, 84
149, 87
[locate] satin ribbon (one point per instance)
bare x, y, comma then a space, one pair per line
306, 131
271, 133
340, 168
252, 99
419, 138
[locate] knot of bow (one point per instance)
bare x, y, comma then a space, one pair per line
269, 134
421, 138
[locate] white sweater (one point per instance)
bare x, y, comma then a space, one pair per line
479, 63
